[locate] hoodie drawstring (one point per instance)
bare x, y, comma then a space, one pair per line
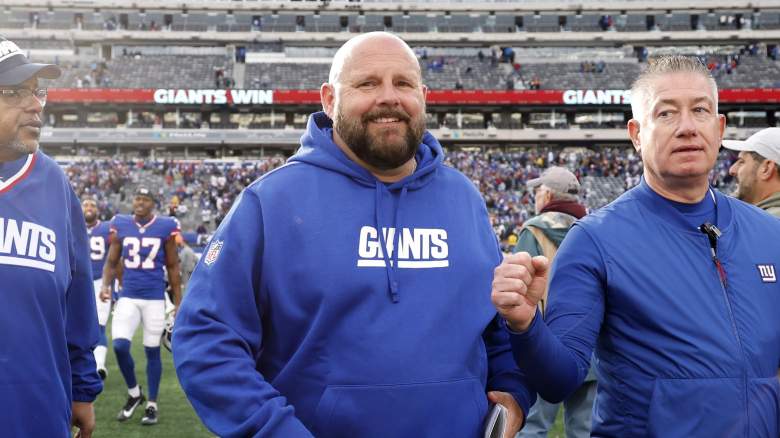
391, 265
394, 286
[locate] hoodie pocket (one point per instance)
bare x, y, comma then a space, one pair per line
697, 408
452, 408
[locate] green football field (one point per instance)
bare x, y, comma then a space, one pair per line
176, 417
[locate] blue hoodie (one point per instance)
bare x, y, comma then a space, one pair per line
296, 322
684, 349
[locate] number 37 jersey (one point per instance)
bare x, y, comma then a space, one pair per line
143, 254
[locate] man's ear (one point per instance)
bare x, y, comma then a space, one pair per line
548, 197
633, 133
766, 170
328, 98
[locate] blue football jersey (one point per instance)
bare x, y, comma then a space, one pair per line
143, 254
48, 319
98, 247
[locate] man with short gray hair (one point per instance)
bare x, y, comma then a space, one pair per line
757, 169
674, 285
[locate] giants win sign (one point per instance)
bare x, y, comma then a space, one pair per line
219, 97
435, 97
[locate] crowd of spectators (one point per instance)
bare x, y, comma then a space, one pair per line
200, 194
210, 188
501, 177
99, 180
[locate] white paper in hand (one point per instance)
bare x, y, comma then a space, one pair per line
495, 423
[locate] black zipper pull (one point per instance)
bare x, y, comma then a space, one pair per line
713, 233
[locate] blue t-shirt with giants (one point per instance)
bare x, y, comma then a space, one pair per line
143, 254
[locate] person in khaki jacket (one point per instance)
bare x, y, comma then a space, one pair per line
757, 169
557, 208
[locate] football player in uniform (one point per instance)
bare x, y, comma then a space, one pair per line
48, 323
145, 244
98, 232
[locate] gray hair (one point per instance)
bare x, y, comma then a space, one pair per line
558, 195
640, 90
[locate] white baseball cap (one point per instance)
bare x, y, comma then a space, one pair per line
765, 142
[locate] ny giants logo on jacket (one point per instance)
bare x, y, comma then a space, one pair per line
767, 272
27, 244
418, 248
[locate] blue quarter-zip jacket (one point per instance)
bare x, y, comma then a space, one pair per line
331, 304
682, 349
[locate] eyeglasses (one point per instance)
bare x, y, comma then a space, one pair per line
15, 96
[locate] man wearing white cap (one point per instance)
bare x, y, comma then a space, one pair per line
48, 320
757, 169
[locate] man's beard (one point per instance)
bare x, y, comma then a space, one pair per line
21, 148
742, 191
371, 148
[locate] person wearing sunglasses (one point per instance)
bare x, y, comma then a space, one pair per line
48, 377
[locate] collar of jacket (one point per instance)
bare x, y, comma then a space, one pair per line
770, 202
662, 208
572, 208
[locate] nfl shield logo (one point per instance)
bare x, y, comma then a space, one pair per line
213, 252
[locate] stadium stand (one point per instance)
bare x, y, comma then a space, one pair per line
537, 20
200, 193
130, 47
443, 68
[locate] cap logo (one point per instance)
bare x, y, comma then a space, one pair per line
9, 49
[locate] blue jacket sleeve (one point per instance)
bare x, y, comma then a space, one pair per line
555, 353
503, 373
218, 334
81, 323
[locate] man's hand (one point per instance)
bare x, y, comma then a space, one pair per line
84, 418
514, 420
518, 285
105, 293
